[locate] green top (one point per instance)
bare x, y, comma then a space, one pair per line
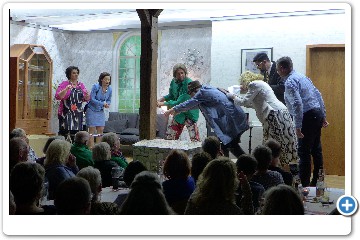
83, 155
120, 160
178, 94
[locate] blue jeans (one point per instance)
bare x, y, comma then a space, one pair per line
310, 146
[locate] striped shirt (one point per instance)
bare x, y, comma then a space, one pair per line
301, 96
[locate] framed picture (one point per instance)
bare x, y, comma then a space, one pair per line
247, 56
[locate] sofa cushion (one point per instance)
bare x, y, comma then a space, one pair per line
130, 131
128, 139
116, 126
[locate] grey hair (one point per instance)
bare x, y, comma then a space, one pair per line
50, 139
285, 62
93, 176
81, 137
179, 66
17, 132
110, 138
101, 151
57, 152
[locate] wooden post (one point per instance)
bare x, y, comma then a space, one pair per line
148, 72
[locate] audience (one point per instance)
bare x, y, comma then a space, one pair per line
130, 172
81, 151
19, 132
215, 190
198, 163
282, 200
93, 176
58, 165
248, 164
102, 158
18, 151
26, 184
212, 146
263, 175
116, 155
179, 184
274, 164
146, 197
41, 160
73, 197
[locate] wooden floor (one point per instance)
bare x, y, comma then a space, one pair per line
334, 181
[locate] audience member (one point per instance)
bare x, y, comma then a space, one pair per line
177, 94
130, 172
274, 164
93, 176
179, 184
198, 163
146, 197
41, 160
81, 151
263, 175
12, 204
215, 190
116, 155
26, 184
73, 197
248, 164
58, 165
19, 132
282, 200
18, 151
103, 162
212, 146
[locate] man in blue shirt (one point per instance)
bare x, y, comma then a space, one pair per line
306, 105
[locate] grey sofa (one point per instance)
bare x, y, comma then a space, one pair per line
126, 126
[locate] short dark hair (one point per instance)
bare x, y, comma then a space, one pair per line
261, 56
101, 77
274, 146
192, 86
285, 62
247, 164
198, 163
69, 70
212, 146
263, 156
132, 170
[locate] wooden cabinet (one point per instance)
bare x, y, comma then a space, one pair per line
30, 88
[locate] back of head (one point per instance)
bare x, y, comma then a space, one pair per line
57, 152
217, 182
132, 170
179, 66
177, 165
82, 137
212, 146
17, 132
73, 197
274, 146
101, 151
18, 151
247, 164
198, 163
110, 138
282, 200
50, 139
26, 182
263, 155
285, 62
146, 196
93, 176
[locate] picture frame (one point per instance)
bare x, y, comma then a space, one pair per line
247, 56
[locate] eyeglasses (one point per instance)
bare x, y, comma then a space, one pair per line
258, 64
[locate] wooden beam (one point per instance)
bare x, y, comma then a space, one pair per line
148, 72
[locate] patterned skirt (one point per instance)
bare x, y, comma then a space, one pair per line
280, 127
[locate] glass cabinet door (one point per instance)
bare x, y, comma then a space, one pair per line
21, 89
38, 86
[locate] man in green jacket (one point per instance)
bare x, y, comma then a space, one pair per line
178, 94
81, 151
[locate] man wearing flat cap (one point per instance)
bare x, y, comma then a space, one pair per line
228, 120
268, 69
